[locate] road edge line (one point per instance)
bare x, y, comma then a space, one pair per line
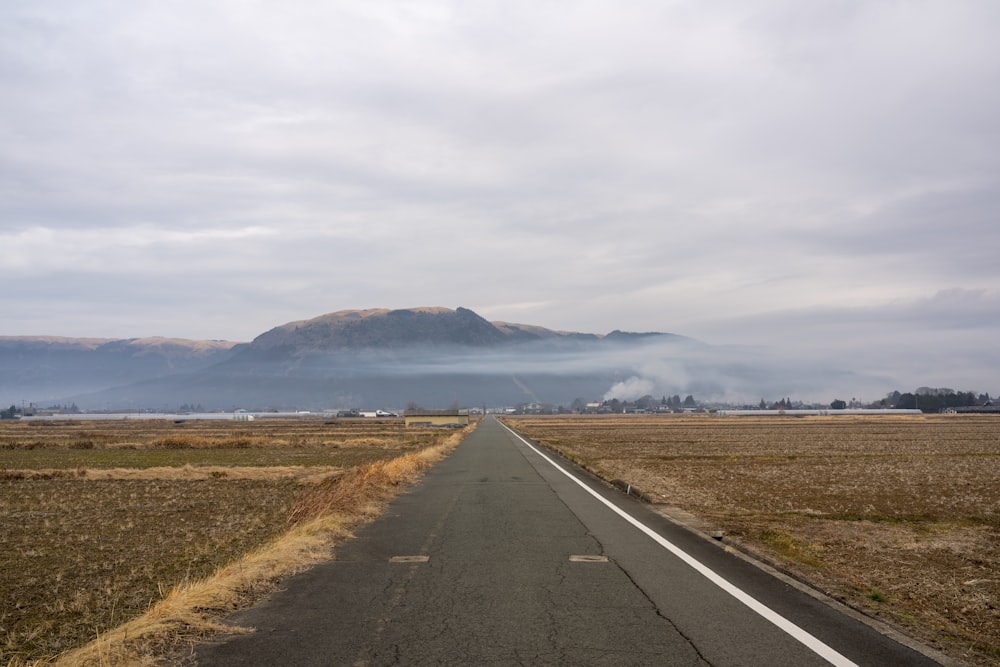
791, 629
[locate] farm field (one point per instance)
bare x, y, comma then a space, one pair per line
99, 520
896, 516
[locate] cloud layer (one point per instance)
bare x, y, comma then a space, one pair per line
806, 178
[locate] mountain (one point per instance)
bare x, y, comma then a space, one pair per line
381, 329
347, 359
41, 369
388, 330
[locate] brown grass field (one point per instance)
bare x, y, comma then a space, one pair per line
898, 517
132, 538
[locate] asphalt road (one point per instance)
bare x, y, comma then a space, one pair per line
498, 558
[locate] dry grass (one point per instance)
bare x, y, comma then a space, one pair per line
899, 517
208, 434
158, 555
186, 472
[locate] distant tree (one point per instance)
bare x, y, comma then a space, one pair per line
928, 399
645, 403
838, 404
578, 405
689, 401
9, 413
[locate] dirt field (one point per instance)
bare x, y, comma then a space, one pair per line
99, 520
897, 516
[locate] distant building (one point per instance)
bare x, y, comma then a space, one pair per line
376, 413
437, 418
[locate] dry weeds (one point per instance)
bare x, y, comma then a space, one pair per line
899, 517
148, 560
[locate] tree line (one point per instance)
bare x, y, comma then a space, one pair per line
928, 399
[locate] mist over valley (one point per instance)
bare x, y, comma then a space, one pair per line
430, 357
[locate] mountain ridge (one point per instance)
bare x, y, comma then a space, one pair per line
403, 327
336, 322
432, 355
88, 343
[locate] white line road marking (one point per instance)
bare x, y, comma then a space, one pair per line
797, 633
409, 559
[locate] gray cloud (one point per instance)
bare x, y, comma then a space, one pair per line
735, 171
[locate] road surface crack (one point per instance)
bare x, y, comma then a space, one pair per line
676, 628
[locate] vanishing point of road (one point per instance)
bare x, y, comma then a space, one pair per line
502, 555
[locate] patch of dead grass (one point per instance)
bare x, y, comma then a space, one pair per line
304, 474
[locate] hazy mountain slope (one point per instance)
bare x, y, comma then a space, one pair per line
352, 358
40, 369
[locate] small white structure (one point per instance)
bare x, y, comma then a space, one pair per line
377, 413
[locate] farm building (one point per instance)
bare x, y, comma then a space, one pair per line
438, 418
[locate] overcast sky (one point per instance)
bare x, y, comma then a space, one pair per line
820, 178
